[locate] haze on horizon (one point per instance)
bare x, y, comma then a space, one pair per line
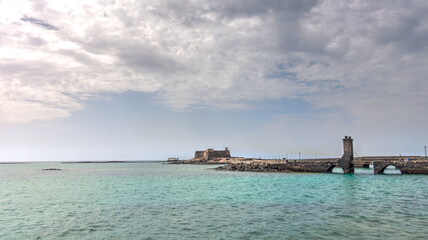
152, 79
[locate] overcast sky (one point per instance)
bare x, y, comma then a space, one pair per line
132, 80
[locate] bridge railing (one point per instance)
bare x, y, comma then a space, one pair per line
387, 158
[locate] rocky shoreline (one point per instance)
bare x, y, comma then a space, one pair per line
244, 165
255, 167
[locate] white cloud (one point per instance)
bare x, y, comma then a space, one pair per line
359, 58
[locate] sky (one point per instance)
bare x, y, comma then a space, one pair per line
152, 79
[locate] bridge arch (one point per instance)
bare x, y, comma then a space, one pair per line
380, 169
336, 169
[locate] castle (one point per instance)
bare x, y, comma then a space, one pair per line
210, 154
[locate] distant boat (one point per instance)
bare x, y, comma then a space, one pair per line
172, 159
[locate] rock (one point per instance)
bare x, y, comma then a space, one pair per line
254, 167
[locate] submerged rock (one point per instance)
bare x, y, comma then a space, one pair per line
51, 169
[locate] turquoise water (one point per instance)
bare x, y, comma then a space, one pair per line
160, 201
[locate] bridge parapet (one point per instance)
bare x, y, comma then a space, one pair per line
314, 160
387, 158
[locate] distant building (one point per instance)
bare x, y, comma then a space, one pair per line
172, 159
210, 154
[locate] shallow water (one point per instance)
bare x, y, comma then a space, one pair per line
161, 201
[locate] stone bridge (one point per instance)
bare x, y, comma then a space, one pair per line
346, 162
406, 164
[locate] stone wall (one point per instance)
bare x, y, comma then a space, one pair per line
199, 154
218, 154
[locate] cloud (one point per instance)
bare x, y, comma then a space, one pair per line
359, 58
39, 22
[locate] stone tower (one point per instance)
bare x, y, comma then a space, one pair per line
347, 160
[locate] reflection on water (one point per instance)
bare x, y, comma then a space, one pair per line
391, 170
337, 170
363, 171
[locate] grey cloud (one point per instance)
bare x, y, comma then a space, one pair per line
11, 68
39, 22
408, 32
39, 5
289, 9
147, 59
78, 56
36, 41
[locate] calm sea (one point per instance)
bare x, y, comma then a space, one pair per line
161, 201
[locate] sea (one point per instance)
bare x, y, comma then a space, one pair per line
155, 200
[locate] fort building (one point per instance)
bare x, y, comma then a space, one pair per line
211, 154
